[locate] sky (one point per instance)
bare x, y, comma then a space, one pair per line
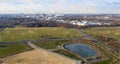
60, 6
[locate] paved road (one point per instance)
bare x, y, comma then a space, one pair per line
27, 41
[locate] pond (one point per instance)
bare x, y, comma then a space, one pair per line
81, 49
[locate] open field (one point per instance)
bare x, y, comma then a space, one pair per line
110, 32
23, 33
38, 56
12, 49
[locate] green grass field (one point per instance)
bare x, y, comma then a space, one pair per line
23, 33
104, 62
12, 49
50, 44
110, 32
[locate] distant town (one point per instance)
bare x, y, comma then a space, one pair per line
72, 20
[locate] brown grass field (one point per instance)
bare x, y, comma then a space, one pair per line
38, 56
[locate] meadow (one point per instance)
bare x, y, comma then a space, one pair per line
23, 33
109, 32
13, 49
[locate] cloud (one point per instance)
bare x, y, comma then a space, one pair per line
29, 8
59, 6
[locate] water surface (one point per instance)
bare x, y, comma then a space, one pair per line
81, 49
